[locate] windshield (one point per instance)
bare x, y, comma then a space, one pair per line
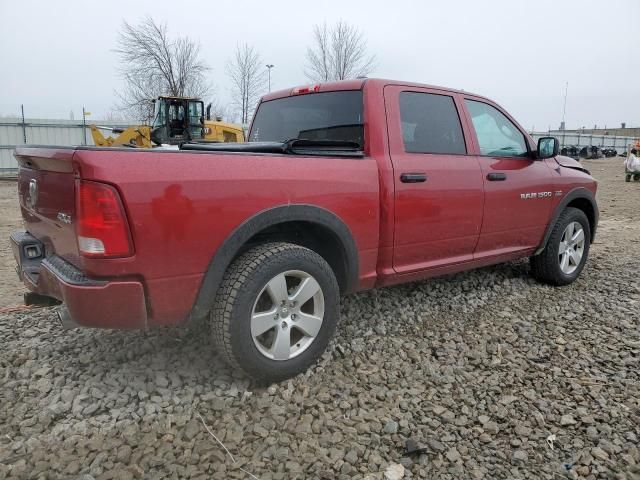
160, 114
336, 116
195, 118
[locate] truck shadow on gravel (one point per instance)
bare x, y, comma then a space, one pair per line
184, 354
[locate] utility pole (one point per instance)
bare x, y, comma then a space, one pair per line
24, 127
269, 67
84, 126
85, 114
564, 108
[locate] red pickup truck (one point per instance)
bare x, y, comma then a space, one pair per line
342, 187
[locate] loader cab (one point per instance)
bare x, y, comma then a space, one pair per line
177, 120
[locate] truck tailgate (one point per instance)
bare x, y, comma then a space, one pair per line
46, 190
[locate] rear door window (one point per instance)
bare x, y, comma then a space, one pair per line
430, 124
497, 135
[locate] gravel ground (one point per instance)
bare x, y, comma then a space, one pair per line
10, 288
494, 375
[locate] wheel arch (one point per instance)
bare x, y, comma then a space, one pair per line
307, 225
580, 198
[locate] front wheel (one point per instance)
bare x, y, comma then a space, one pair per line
276, 310
567, 249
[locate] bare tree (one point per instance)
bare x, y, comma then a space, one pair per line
248, 80
154, 64
338, 52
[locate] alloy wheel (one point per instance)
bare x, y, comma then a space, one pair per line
571, 248
287, 315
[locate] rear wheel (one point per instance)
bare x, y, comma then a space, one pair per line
567, 249
276, 311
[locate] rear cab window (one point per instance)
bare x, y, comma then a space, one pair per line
430, 124
335, 116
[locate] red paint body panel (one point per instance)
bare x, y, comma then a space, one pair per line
55, 194
509, 223
117, 304
438, 221
182, 205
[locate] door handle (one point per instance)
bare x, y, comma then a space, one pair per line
413, 177
496, 177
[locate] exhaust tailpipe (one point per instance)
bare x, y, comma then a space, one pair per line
65, 319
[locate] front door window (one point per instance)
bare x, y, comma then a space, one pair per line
497, 135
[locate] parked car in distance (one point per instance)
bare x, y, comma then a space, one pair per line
591, 152
571, 151
343, 186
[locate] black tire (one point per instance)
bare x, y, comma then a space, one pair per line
243, 283
627, 178
545, 267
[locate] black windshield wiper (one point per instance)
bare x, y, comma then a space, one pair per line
248, 147
294, 146
326, 145
333, 148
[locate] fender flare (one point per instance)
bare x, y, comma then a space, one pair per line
576, 193
235, 242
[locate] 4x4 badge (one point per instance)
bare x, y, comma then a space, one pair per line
64, 218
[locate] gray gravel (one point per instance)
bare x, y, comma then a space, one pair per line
481, 369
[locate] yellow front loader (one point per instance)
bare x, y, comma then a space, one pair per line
217, 131
182, 119
176, 120
139, 136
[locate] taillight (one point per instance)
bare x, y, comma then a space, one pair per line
102, 227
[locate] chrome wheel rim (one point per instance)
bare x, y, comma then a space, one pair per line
571, 248
287, 315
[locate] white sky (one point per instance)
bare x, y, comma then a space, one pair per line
56, 56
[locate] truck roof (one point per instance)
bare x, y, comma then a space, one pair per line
356, 84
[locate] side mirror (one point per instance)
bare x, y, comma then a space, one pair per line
547, 147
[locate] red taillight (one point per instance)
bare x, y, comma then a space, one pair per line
307, 89
102, 227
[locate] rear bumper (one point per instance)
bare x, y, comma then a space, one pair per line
102, 303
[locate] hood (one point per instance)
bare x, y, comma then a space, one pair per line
569, 162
